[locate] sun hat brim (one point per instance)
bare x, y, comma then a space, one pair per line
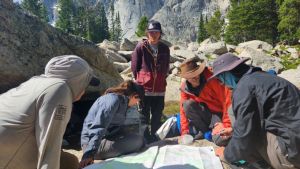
196, 72
229, 67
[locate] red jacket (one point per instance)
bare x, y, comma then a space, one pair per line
147, 71
215, 95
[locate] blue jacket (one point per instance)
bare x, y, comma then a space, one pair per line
107, 112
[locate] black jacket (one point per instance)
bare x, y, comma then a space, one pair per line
264, 103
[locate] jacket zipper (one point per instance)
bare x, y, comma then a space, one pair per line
154, 70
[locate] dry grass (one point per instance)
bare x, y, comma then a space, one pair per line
171, 107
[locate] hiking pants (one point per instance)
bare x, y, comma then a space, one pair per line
203, 120
154, 105
271, 152
119, 145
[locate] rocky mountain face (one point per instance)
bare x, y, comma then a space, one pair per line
179, 18
27, 44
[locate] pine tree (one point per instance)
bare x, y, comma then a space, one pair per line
37, 8
142, 25
250, 20
214, 25
112, 22
202, 34
43, 13
101, 31
65, 15
289, 25
118, 29
31, 6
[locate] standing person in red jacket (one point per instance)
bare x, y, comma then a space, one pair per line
203, 104
150, 65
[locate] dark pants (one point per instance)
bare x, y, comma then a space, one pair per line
155, 106
202, 119
118, 145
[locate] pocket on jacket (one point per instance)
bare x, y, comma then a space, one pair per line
143, 77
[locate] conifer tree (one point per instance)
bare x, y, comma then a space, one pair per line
142, 25
43, 13
250, 20
289, 24
202, 34
214, 25
31, 6
37, 8
65, 15
112, 22
118, 29
101, 31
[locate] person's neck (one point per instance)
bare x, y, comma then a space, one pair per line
153, 42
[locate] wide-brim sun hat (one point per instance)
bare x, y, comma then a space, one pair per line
189, 68
226, 62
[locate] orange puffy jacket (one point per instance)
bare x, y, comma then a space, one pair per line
215, 95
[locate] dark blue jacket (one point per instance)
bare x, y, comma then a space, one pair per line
264, 103
107, 113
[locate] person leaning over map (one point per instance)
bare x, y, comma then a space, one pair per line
204, 104
104, 133
34, 115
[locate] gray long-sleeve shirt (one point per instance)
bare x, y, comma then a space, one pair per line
34, 115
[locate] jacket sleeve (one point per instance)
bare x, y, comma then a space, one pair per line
98, 127
184, 122
54, 110
136, 60
226, 105
168, 62
246, 126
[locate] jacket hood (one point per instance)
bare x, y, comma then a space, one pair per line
73, 69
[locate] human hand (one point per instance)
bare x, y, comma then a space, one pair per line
220, 152
224, 132
85, 162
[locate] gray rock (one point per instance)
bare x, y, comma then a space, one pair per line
127, 45
113, 56
261, 59
175, 47
121, 66
126, 54
193, 46
292, 75
175, 58
27, 44
177, 64
257, 44
231, 48
111, 45
218, 48
294, 53
173, 85
183, 53
208, 41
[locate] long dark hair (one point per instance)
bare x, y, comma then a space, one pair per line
127, 88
